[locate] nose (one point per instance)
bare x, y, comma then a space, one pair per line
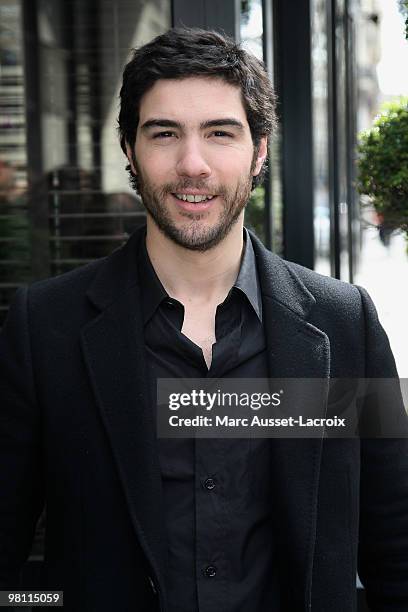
191, 161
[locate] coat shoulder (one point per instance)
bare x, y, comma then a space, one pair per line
327, 291
338, 310
102, 281
300, 288
67, 288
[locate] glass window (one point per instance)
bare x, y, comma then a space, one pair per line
319, 69
14, 219
252, 27
65, 198
342, 140
252, 41
264, 213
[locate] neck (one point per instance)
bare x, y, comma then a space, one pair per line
196, 276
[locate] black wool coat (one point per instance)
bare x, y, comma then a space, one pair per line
78, 434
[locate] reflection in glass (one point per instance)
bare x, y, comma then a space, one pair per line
320, 137
259, 216
75, 204
252, 27
252, 40
91, 206
14, 234
342, 142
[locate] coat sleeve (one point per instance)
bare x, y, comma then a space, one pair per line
383, 542
21, 475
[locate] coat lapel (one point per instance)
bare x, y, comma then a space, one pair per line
296, 349
114, 353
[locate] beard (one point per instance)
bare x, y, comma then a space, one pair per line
194, 234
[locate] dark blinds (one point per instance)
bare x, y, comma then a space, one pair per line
65, 199
14, 223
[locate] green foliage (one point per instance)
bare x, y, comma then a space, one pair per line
255, 212
403, 6
383, 163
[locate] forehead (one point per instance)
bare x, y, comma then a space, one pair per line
192, 100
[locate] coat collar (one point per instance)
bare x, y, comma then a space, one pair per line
114, 354
280, 283
117, 275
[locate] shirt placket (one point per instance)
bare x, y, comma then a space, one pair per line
211, 527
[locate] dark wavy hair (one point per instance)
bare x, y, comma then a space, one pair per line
185, 52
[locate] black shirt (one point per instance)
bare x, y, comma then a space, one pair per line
217, 499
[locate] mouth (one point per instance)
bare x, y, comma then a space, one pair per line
194, 202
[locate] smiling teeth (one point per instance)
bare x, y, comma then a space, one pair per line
193, 198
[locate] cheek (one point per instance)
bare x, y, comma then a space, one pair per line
155, 168
233, 166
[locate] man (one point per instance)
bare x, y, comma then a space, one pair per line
140, 523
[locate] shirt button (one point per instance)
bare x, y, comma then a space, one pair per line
210, 571
169, 303
209, 484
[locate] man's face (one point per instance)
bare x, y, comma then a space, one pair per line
195, 159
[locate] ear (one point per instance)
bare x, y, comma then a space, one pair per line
129, 155
261, 156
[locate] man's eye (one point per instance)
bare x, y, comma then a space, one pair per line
163, 134
221, 134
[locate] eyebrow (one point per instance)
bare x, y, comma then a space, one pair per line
168, 123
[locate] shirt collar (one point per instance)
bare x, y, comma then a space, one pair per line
153, 292
247, 280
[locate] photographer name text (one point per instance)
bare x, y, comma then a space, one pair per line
255, 421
